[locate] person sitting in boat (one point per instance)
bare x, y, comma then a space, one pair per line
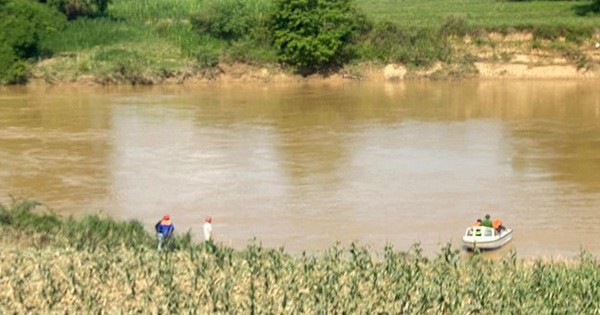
487, 222
497, 225
476, 223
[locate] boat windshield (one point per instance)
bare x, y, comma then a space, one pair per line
481, 231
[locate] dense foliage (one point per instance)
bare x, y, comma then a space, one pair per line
151, 41
241, 26
80, 8
22, 24
596, 6
389, 42
91, 265
90, 233
12, 68
316, 34
230, 19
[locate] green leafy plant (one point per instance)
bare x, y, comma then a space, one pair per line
316, 35
390, 42
12, 69
22, 24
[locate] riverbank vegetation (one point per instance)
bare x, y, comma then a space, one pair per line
50, 264
152, 41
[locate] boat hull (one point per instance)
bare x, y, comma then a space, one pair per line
472, 241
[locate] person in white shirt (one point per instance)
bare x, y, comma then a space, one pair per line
208, 229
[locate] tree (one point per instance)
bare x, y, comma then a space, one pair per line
316, 35
12, 69
22, 24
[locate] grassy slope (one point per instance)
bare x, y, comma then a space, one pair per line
138, 38
484, 13
152, 40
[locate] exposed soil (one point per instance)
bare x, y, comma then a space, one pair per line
489, 56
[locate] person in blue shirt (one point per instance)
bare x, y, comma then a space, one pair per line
164, 230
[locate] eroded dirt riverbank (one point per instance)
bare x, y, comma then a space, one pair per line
490, 56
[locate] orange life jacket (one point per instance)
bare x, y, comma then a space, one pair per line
497, 223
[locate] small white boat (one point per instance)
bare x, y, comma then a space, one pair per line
484, 237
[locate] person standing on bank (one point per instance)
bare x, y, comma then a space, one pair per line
164, 230
207, 229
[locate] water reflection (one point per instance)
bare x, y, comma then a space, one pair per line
305, 166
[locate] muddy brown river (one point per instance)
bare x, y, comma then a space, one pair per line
307, 165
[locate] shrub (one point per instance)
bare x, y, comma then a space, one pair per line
207, 57
316, 35
230, 19
22, 24
12, 69
246, 52
90, 232
454, 26
125, 66
389, 42
80, 8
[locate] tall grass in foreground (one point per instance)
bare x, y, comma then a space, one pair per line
120, 276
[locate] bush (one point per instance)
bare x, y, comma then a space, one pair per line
454, 26
89, 232
80, 8
246, 52
12, 69
22, 24
316, 35
125, 65
389, 42
207, 57
230, 19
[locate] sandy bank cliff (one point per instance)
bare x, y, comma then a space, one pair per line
489, 56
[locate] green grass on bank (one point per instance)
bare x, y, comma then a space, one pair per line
483, 13
153, 20
150, 41
153, 10
145, 40
27, 220
50, 264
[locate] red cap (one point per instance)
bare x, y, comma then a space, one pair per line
208, 219
166, 217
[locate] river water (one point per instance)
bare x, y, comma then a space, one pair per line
307, 165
